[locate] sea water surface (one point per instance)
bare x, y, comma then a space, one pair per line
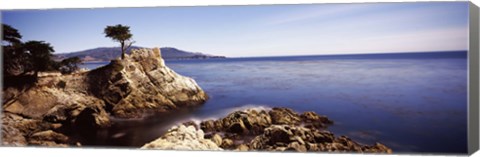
411, 102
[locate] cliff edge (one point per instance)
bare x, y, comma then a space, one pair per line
47, 111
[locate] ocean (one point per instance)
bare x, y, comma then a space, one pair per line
411, 102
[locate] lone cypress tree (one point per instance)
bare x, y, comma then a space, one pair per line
120, 33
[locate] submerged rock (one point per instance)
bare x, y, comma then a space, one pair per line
128, 88
182, 138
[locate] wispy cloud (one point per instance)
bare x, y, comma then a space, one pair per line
260, 30
317, 12
429, 40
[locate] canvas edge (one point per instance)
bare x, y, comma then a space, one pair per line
473, 68
473, 88
1, 80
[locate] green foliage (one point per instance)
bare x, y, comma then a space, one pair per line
14, 55
40, 56
31, 56
69, 65
11, 35
21, 58
120, 33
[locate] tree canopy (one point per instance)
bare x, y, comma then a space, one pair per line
40, 54
32, 56
120, 33
11, 35
14, 56
69, 65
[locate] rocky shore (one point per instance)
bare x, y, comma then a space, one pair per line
278, 129
47, 112
55, 110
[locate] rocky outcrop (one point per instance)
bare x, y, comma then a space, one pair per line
280, 129
20, 131
183, 138
297, 138
252, 121
141, 82
132, 87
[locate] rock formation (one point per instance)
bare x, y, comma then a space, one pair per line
55, 105
183, 138
49, 111
279, 129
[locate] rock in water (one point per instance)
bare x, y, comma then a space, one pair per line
142, 82
125, 88
284, 116
281, 129
182, 138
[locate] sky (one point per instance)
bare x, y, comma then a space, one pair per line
261, 30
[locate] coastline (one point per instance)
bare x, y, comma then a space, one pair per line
80, 102
253, 129
119, 136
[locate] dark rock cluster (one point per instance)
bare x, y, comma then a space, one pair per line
279, 129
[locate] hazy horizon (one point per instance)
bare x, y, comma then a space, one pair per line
258, 30
288, 55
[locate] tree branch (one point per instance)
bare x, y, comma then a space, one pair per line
129, 44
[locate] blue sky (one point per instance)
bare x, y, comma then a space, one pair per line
265, 30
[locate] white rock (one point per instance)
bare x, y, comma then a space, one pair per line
183, 138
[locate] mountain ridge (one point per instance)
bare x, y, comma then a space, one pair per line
100, 54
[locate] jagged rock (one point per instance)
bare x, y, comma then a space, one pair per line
312, 116
296, 147
302, 139
12, 136
209, 126
48, 138
237, 127
282, 129
217, 139
377, 148
242, 147
227, 143
141, 82
18, 131
249, 121
313, 120
190, 123
255, 121
125, 88
182, 138
284, 116
278, 134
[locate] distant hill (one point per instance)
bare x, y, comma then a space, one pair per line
108, 53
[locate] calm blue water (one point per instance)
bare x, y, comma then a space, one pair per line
409, 102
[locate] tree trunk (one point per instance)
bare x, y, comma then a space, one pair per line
123, 49
35, 75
